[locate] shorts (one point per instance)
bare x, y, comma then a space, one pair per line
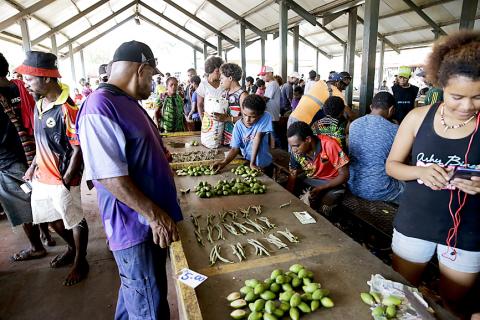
421, 251
15, 202
52, 202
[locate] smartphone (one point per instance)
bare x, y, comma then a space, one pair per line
465, 173
26, 187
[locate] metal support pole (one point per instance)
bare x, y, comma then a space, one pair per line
226, 56
82, 62
283, 35
194, 59
317, 60
72, 63
350, 50
243, 59
296, 40
469, 9
205, 52
380, 63
219, 46
370, 30
262, 51
26, 44
53, 39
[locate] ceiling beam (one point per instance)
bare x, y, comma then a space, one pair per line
25, 12
383, 38
314, 47
292, 5
96, 25
13, 38
22, 8
201, 22
232, 14
171, 21
425, 17
389, 15
89, 42
188, 43
69, 21
257, 8
418, 28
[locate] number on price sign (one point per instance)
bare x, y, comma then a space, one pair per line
191, 278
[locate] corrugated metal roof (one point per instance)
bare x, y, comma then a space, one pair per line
401, 25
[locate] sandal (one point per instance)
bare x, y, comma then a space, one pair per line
29, 254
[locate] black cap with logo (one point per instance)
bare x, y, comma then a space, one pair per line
135, 51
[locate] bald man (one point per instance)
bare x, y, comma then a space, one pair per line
127, 162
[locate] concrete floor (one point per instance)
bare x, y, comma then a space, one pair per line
32, 290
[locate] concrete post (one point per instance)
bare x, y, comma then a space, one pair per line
469, 9
72, 63
243, 59
283, 35
262, 51
82, 62
194, 59
296, 43
26, 43
350, 56
219, 46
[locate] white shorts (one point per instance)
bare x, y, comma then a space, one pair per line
421, 251
51, 202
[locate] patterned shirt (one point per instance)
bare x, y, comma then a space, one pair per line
334, 128
54, 136
172, 113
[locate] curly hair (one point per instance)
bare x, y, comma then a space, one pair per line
455, 55
255, 103
279, 79
212, 63
3, 66
232, 70
334, 106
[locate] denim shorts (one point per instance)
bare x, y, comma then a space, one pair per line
421, 251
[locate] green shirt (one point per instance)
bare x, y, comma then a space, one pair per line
172, 113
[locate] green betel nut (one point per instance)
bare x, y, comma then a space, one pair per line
238, 314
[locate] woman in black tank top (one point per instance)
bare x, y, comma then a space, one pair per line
439, 138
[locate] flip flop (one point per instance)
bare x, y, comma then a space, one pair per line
28, 254
62, 260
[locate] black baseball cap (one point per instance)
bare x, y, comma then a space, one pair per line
136, 51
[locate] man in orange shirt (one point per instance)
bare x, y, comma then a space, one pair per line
309, 108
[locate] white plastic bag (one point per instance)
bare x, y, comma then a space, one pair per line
212, 130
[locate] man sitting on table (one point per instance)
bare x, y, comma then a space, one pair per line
323, 162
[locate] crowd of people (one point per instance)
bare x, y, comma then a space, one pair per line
397, 153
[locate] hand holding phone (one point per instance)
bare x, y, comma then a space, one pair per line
467, 180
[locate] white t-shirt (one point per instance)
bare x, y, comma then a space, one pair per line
205, 89
308, 85
272, 92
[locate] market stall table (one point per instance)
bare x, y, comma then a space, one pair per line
339, 263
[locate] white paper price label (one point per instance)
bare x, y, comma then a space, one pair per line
304, 217
191, 278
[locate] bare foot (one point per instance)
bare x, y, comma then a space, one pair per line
77, 274
63, 259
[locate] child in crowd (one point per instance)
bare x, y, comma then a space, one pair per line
251, 136
193, 115
260, 87
78, 97
333, 124
170, 111
297, 95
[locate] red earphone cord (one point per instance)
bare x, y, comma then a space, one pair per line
453, 232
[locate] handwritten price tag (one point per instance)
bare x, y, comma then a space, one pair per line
191, 278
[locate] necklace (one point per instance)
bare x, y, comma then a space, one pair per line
455, 126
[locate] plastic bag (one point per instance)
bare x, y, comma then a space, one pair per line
212, 130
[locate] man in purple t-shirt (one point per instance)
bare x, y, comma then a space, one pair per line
126, 160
